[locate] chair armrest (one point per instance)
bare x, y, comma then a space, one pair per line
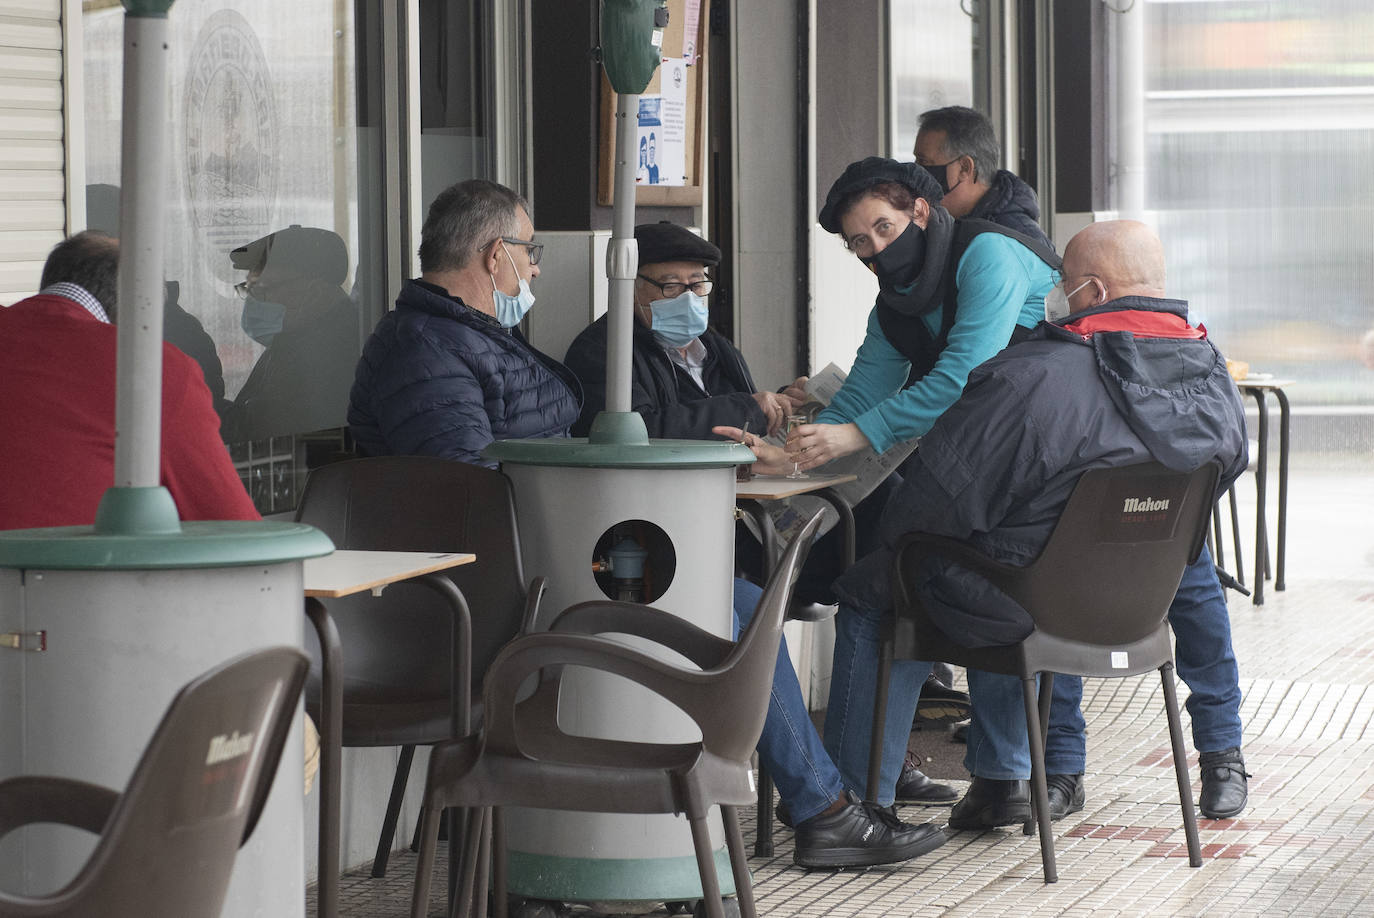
601, 616
460, 685
533, 597
32, 799
688, 689
810, 612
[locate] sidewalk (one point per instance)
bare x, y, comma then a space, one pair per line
1304, 847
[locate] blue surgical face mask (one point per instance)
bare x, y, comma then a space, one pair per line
262, 319
677, 321
511, 309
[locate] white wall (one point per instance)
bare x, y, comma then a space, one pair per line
571, 291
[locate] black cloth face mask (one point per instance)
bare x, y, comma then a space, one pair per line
898, 265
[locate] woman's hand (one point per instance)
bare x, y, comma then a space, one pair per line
771, 460
812, 445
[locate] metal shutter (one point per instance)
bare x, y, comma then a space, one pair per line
33, 211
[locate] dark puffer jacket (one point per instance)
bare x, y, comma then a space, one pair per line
672, 404
1011, 202
1119, 384
438, 378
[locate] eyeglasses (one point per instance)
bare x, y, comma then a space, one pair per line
536, 249
673, 289
246, 288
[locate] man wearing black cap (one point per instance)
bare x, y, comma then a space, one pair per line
294, 306
686, 378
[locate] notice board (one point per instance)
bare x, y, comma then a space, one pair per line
671, 119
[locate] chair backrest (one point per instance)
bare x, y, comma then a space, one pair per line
169, 846
742, 684
1114, 561
420, 503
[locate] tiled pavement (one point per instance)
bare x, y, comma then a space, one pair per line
1305, 845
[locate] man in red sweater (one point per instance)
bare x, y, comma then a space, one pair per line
57, 403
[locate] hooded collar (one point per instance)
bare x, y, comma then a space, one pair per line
1007, 194
1143, 316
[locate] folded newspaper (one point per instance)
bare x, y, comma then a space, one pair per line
790, 514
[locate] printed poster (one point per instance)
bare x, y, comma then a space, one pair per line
663, 129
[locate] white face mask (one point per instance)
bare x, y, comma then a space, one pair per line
1057, 301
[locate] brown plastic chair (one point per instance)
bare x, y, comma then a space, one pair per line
167, 844
405, 656
1099, 594
522, 758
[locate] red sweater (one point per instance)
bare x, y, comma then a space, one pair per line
57, 415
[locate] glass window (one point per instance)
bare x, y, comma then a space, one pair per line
277, 214
1260, 124
932, 63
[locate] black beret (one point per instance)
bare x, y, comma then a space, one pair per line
664, 241
876, 170
300, 250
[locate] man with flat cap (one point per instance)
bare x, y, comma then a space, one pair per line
294, 305
686, 377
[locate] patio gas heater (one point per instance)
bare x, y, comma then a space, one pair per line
101, 625
619, 515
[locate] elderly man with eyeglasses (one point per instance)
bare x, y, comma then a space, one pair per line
686, 377
448, 371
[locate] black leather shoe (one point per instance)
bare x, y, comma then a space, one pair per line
940, 704
861, 834
1066, 795
1224, 789
990, 803
914, 787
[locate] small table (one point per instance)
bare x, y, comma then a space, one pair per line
753, 494
760, 489
1258, 388
345, 573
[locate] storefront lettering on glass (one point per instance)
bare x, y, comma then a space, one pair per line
231, 140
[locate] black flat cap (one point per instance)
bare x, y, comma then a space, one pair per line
300, 250
875, 170
664, 241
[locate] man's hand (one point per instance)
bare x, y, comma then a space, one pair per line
796, 392
812, 445
775, 408
771, 460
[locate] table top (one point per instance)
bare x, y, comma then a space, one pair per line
347, 572
776, 487
1262, 382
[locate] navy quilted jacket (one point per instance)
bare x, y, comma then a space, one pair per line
438, 378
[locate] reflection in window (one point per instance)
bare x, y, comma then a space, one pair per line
932, 64
1260, 121
263, 195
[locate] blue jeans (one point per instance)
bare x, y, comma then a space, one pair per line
1206, 663
789, 747
853, 694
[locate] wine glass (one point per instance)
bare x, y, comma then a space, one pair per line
794, 421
